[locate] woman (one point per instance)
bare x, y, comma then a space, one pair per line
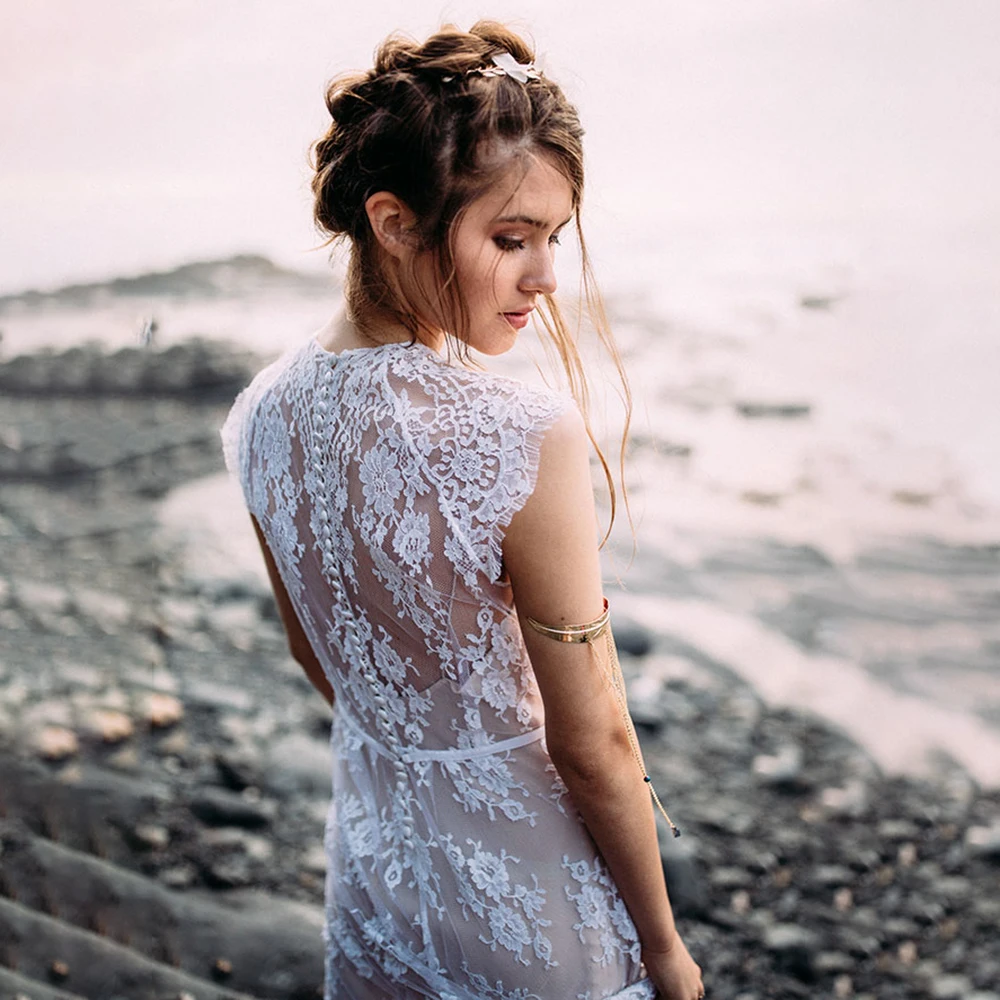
490, 834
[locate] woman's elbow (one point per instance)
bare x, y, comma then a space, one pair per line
590, 758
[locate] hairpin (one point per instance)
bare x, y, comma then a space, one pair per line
504, 64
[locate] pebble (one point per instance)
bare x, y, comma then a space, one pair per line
256, 848
645, 701
239, 767
152, 835
830, 962
236, 622
56, 743
852, 801
230, 872
684, 883
781, 770
794, 948
298, 763
48, 712
314, 860
901, 927
162, 710
41, 598
832, 875
108, 724
950, 987
632, 639
897, 829
108, 611
729, 878
82, 675
178, 876
983, 841
182, 614
218, 696
125, 759
843, 986
843, 900
727, 816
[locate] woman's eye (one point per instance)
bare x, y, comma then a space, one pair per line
554, 240
506, 243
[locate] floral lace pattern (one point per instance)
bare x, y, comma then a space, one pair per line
383, 480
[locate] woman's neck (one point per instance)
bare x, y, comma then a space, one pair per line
343, 333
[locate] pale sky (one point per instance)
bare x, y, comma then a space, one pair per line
141, 133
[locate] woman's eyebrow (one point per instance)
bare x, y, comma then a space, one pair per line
527, 220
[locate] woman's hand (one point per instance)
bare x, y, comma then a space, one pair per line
675, 973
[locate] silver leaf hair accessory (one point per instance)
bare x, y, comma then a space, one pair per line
504, 64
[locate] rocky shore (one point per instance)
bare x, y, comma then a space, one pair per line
164, 763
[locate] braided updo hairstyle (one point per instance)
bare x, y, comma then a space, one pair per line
425, 126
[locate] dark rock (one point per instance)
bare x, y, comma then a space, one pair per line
950, 987
898, 829
831, 876
730, 878
632, 639
901, 929
685, 885
983, 841
298, 763
229, 872
820, 302
212, 694
783, 411
239, 767
646, 694
21, 988
726, 815
923, 909
862, 859
221, 808
783, 770
794, 949
831, 962
861, 943
196, 366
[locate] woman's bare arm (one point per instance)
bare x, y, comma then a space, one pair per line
551, 556
298, 643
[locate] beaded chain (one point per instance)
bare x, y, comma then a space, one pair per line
589, 633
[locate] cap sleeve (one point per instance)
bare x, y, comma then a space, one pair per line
486, 466
232, 434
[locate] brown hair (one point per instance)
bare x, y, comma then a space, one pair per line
424, 126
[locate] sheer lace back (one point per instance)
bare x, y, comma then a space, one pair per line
383, 480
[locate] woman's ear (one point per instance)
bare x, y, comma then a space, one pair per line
393, 224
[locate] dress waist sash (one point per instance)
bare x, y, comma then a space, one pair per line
410, 756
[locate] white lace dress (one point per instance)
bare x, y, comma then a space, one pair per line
383, 479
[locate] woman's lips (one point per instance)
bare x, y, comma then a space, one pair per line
518, 320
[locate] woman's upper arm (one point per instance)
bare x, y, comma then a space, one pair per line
551, 555
298, 641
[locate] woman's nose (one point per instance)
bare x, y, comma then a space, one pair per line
541, 276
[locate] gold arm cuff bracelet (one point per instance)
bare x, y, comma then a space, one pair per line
574, 633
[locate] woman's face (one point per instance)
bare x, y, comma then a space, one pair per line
504, 248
